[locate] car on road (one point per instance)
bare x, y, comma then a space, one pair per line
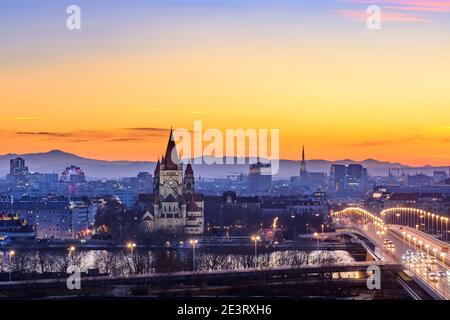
433, 277
440, 274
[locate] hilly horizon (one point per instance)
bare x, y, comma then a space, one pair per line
57, 160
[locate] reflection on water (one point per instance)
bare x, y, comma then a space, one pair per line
118, 263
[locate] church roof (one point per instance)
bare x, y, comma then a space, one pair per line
189, 169
191, 199
148, 217
198, 197
171, 160
192, 206
170, 198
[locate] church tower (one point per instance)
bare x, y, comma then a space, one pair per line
303, 172
189, 181
156, 178
171, 171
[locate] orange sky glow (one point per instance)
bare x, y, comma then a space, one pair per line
328, 83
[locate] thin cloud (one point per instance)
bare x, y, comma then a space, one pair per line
361, 15
413, 5
384, 142
42, 133
108, 135
398, 10
131, 139
195, 112
149, 129
20, 118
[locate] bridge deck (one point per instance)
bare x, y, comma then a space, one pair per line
204, 277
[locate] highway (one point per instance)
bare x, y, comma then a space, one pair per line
405, 239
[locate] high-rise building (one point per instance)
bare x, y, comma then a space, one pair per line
351, 177
337, 176
53, 217
354, 176
259, 177
18, 171
439, 176
177, 208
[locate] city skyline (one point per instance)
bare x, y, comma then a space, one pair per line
314, 71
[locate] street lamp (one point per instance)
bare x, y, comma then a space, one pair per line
256, 239
432, 223
420, 244
446, 230
11, 255
435, 252
427, 246
193, 242
131, 246
404, 239
443, 258
294, 226
316, 235
71, 251
409, 241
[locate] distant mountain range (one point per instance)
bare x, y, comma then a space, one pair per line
56, 161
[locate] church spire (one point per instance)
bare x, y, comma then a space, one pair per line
171, 159
303, 172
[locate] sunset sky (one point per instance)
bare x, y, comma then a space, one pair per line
309, 68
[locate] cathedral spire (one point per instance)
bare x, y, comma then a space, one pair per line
158, 166
171, 159
303, 172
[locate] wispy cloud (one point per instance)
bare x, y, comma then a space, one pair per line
401, 140
157, 131
111, 135
398, 10
361, 15
19, 118
195, 112
384, 142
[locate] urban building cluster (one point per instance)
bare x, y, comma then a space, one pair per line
172, 201
53, 217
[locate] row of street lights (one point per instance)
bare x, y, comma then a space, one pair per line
417, 218
193, 242
363, 216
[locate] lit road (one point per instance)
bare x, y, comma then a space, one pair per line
425, 268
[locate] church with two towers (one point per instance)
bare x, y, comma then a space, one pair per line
176, 207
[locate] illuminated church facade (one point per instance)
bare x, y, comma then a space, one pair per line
177, 208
